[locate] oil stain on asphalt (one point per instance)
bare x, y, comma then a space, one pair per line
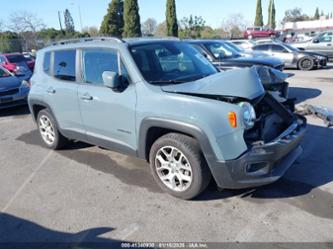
135, 172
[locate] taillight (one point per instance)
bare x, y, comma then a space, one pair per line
232, 116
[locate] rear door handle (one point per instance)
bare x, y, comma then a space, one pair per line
87, 96
51, 90
329, 45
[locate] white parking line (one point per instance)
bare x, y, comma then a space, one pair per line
21, 188
247, 233
124, 234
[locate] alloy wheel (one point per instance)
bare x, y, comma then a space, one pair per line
173, 168
46, 130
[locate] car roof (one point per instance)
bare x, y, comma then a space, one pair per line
102, 42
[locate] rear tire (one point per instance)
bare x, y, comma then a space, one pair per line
48, 130
306, 64
178, 166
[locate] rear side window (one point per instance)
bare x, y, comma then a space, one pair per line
261, 48
46, 62
64, 65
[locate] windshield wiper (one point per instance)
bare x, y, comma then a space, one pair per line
181, 80
167, 82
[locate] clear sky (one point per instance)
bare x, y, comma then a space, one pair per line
213, 11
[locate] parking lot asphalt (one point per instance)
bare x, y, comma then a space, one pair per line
85, 194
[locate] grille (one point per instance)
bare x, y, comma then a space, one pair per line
272, 119
9, 92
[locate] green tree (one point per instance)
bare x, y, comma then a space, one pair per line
113, 22
269, 21
69, 22
259, 18
132, 26
191, 27
295, 15
273, 16
317, 15
10, 42
171, 18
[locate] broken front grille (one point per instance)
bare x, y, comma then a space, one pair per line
273, 118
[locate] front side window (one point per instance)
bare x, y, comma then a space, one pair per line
64, 65
279, 49
96, 62
325, 39
261, 48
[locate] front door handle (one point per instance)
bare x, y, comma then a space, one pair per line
51, 90
87, 96
329, 45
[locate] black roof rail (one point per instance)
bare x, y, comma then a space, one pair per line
87, 39
134, 39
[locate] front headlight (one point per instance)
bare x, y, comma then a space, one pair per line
25, 83
248, 115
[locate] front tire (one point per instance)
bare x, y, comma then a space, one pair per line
306, 64
49, 132
178, 166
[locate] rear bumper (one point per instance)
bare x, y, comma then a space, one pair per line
262, 164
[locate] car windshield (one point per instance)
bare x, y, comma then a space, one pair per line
15, 58
4, 73
170, 62
220, 50
234, 47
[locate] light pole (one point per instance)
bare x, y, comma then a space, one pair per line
79, 10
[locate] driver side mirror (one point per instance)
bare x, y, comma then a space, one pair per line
111, 79
315, 40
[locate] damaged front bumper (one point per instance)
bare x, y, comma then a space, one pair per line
262, 164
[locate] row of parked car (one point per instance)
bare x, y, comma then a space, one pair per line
15, 72
223, 54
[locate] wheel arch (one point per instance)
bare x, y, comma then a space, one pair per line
153, 128
36, 106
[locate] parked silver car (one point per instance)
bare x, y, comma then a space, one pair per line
323, 43
293, 57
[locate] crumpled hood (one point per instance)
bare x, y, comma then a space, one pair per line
271, 76
9, 83
242, 83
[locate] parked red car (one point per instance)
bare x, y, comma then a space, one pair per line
257, 32
13, 61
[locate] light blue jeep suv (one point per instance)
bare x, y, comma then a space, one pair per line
162, 101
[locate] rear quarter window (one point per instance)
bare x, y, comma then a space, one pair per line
64, 65
47, 62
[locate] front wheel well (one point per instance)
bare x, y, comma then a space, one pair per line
155, 133
36, 109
